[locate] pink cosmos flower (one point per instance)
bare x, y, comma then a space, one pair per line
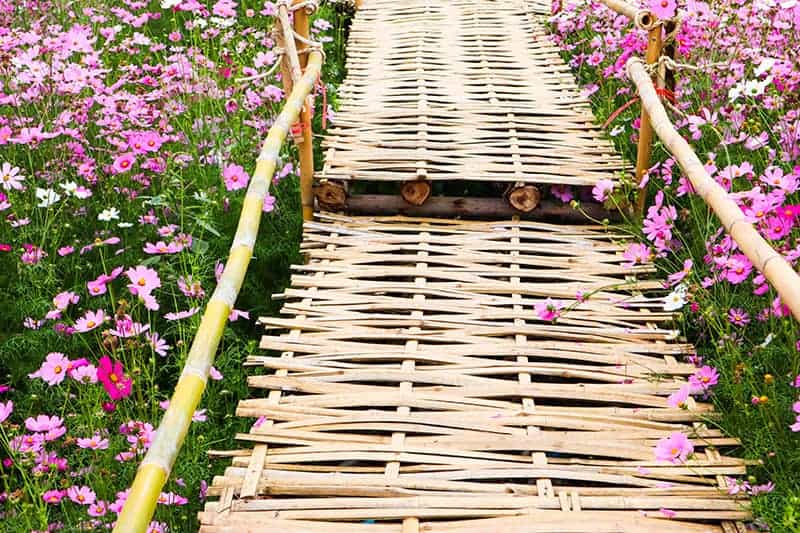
10, 178
143, 280
158, 344
675, 449
156, 527
680, 275
663, 9
171, 498
124, 162
549, 310
62, 300
97, 286
705, 378
5, 410
97, 509
53, 370
43, 423
85, 374
180, 315
91, 320
637, 253
679, 398
53, 497
162, 248
602, 190
112, 376
27, 443
269, 203
738, 317
235, 177
191, 288
82, 495
95, 442
214, 374
65, 250
236, 314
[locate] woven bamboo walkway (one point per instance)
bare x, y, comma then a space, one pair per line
409, 384
462, 89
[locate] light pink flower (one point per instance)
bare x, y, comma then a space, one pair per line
180, 315
602, 190
84, 374
663, 9
62, 300
705, 378
43, 423
637, 254
91, 320
678, 399
143, 280
97, 509
5, 410
235, 177
53, 497
214, 374
675, 449
10, 178
158, 344
53, 370
82, 495
162, 248
95, 442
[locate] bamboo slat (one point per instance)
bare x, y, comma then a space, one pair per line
419, 390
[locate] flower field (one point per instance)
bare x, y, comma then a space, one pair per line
127, 130
737, 100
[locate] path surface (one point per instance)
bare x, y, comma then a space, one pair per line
409, 384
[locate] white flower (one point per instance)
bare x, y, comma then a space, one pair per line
221, 22
47, 197
616, 131
736, 91
765, 66
69, 187
107, 215
755, 88
124, 225
200, 23
169, 4
767, 340
676, 299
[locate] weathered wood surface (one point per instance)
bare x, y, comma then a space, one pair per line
410, 382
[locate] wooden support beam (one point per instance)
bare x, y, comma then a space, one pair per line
470, 207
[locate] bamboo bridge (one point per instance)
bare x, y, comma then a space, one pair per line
409, 384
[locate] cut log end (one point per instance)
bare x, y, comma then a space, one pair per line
416, 192
524, 198
331, 195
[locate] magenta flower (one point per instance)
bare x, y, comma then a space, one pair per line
90, 321
602, 190
97, 286
112, 376
269, 203
124, 162
53, 497
235, 177
143, 280
674, 449
53, 370
549, 310
82, 495
5, 410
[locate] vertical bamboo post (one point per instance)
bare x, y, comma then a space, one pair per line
306, 147
654, 44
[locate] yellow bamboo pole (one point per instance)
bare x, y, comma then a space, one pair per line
769, 262
306, 147
155, 468
645, 146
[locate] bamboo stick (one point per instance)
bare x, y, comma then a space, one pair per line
306, 148
622, 7
769, 262
645, 146
155, 468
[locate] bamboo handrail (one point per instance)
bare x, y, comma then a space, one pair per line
769, 262
155, 468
